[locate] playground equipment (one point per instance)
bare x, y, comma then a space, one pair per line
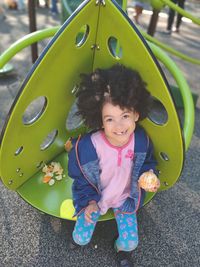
32, 137
168, 63
68, 6
6, 69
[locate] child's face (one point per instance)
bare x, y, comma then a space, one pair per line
118, 124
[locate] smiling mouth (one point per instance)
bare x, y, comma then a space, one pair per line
121, 133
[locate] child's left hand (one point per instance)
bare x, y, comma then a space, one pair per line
92, 207
149, 181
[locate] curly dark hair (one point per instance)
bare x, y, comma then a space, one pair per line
119, 85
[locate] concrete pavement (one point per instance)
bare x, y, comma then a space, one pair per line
168, 226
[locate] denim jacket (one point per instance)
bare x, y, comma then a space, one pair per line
83, 168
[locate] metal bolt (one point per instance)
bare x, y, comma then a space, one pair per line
95, 46
18, 169
10, 182
100, 2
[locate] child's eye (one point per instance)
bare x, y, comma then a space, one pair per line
109, 120
126, 116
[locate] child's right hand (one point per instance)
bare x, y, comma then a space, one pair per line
92, 207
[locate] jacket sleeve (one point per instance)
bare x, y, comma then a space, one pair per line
150, 161
82, 190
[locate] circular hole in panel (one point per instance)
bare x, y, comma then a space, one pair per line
82, 35
158, 113
49, 140
34, 110
19, 150
73, 120
164, 156
114, 47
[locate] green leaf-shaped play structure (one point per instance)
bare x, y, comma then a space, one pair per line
97, 34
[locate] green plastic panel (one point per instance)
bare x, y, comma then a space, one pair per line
109, 37
53, 77
55, 200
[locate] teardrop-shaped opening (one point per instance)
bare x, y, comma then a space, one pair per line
158, 113
82, 35
49, 140
73, 121
34, 110
115, 47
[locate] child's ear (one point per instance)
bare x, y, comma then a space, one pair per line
136, 116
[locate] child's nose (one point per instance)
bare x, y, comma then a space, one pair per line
119, 125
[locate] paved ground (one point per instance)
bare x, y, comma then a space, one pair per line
168, 226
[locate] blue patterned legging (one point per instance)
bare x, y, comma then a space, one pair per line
127, 229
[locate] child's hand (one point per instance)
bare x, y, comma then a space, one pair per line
92, 207
149, 181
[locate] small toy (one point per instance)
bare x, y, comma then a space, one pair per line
149, 181
53, 172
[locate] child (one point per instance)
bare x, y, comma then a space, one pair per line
12, 4
139, 6
107, 163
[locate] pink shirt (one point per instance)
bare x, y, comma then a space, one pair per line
115, 170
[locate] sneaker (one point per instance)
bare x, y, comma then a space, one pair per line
124, 259
168, 32
176, 30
